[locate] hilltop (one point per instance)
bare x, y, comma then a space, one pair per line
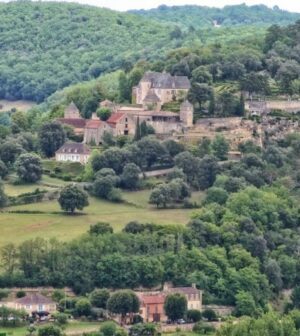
200, 16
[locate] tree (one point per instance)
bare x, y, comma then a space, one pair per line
207, 171
202, 75
100, 229
160, 196
173, 147
50, 330
273, 272
209, 314
83, 307
199, 93
51, 137
108, 328
99, 298
72, 197
9, 151
29, 168
102, 187
151, 151
123, 302
240, 107
216, 195
3, 197
220, 147
245, 304
193, 315
295, 297
130, 176
104, 113
175, 306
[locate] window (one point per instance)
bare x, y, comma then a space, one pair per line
41, 308
28, 307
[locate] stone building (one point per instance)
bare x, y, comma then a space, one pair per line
73, 118
73, 152
156, 89
152, 307
192, 294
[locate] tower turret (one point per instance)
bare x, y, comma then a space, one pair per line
187, 113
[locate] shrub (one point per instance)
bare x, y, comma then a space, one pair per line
203, 328
210, 315
108, 328
194, 315
20, 294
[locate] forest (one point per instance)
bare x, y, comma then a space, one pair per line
199, 16
66, 44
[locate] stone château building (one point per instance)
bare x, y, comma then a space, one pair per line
156, 89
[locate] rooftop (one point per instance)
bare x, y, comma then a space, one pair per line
115, 118
93, 123
76, 123
152, 299
166, 81
34, 299
74, 148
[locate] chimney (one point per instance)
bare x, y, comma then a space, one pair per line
194, 285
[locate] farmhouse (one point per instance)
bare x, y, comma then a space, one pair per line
156, 89
192, 294
73, 152
152, 307
124, 121
32, 303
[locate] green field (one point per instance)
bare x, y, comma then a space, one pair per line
71, 329
17, 227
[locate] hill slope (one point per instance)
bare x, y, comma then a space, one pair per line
47, 46
199, 16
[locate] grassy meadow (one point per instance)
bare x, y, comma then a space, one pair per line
51, 222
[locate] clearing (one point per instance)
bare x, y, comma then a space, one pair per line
21, 105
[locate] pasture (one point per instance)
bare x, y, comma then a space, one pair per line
19, 223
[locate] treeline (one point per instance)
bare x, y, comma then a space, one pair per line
199, 16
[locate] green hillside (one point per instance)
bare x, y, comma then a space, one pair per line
199, 16
47, 46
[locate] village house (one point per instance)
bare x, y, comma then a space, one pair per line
32, 303
73, 118
73, 152
124, 120
156, 89
192, 294
152, 307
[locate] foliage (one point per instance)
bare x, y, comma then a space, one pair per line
175, 306
99, 298
100, 229
72, 198
29, 168
108, 328
123, 302
143, 329
49, 330
51, 138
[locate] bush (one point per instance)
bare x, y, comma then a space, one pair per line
194, 315
20, 294
210, 315
108, 328
61, 318
203, 328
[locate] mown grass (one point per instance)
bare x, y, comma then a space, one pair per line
51, 222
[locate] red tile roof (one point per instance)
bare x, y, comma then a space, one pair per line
76, 123
152, 299
115, 117
93, 123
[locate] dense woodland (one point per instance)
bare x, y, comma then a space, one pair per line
199, 16
67, 43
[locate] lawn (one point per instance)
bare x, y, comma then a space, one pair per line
73, 328
17, 227
21, 105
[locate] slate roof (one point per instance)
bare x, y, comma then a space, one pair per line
34, 299
76, 123
74, 148
72, 108
184, 290
166, 81
186, 104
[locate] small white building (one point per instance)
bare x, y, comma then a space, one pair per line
73, 152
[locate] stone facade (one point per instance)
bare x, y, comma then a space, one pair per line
160, 88
73, 152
